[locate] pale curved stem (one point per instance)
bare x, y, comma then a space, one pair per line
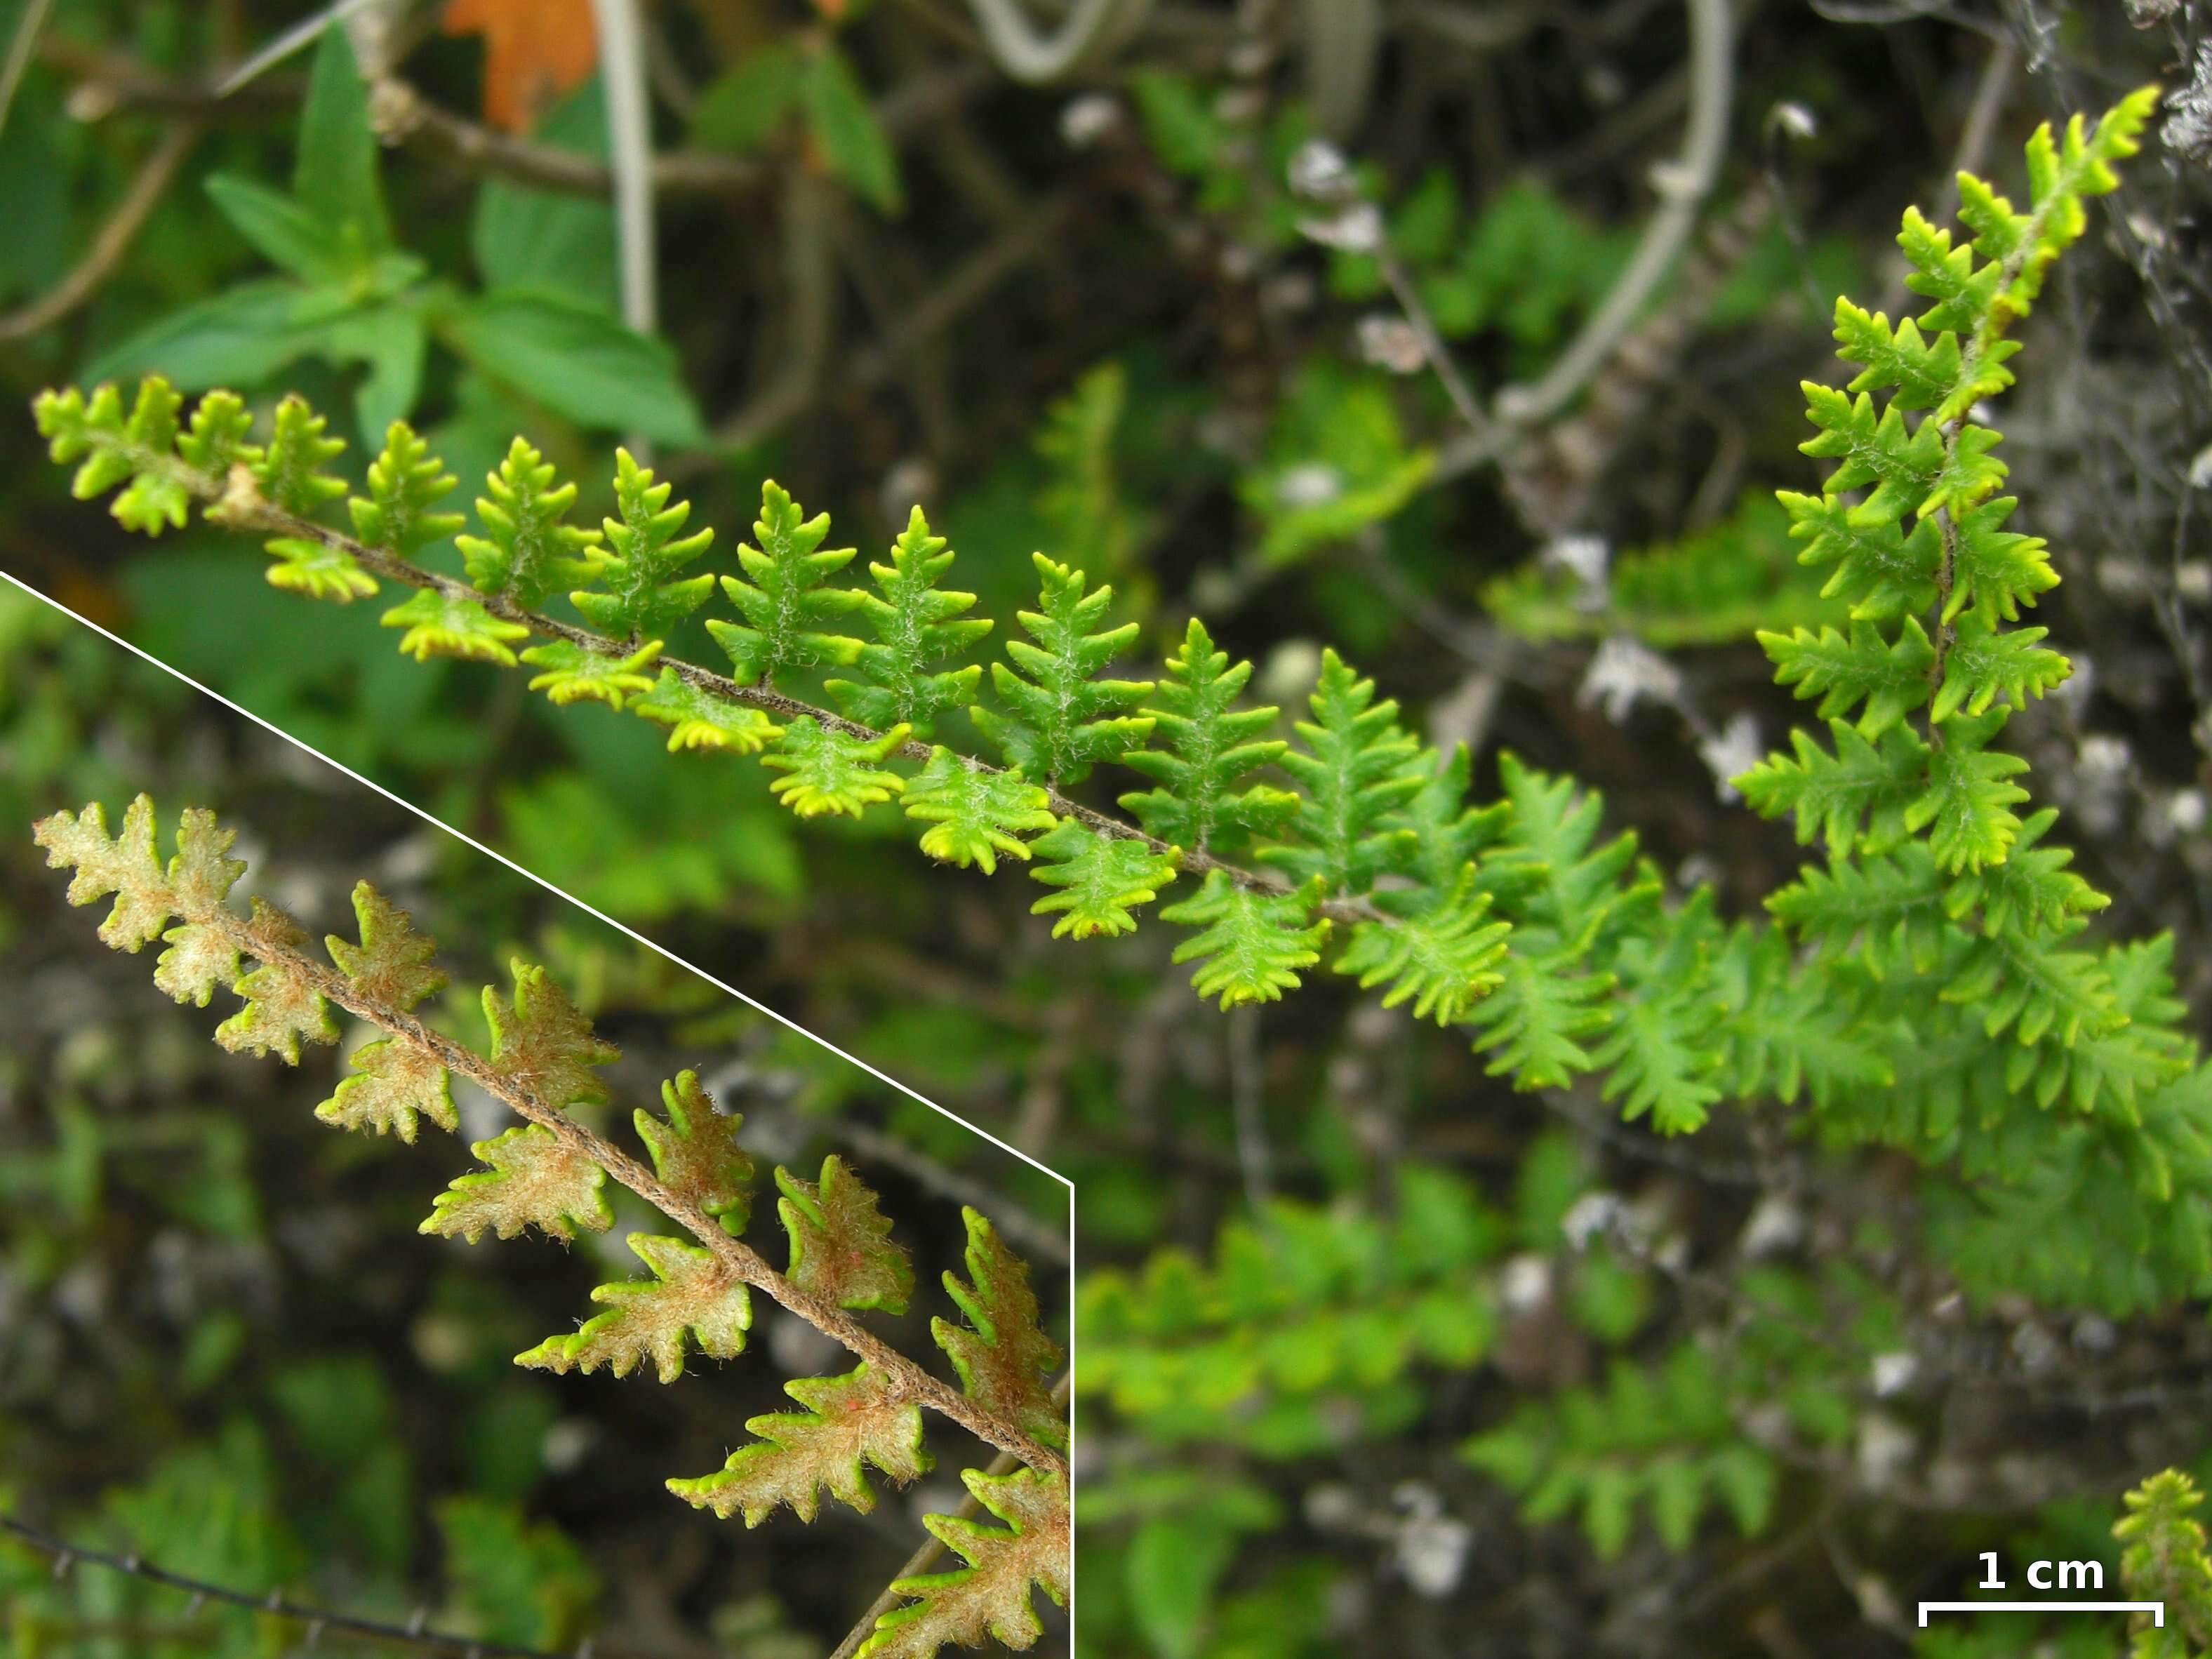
630, 150
1092, 28
1344, 38
1684, 184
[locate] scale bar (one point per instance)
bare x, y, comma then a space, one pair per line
2155, 1609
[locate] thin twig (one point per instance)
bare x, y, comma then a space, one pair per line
18, 53
1683, 185
114, 240
629, 146
66, 1555
1091, 29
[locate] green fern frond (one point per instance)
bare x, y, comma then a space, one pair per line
316, 571
1254, 943
1356, 767
1860, 794
973, 815
1060, 720
290, 470
1883, 571
393, 1084
786, 608
637, 595
1102, 878
570, 673
406, 482
1538, 1016
1966, 807
392, 963
1843, 671
1209, 744
916, 624
1443, 958
827, 770
526, 552
440, 625
697, 719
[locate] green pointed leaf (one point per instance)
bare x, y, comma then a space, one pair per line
786, 608
698, 718
1843, 671
1985, 664
1254, 943
637, 595
1356, 767
526, 552
1540, 1016
974, 815
440, 625
1208, 745
1443, 958
846, 133
1966, 807
1883, 571
916, 624
827, 770
850, 1421
841, 1244
572, 674
1100, 879
694, 1299
334, 174
1862, 790
535, 1180
1059, 720
406, 482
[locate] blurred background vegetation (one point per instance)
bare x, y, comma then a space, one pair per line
225, 1348
1083, 317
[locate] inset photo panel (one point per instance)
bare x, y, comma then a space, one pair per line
395, 1253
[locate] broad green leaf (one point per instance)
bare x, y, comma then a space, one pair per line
578, 362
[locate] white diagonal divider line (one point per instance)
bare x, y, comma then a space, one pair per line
467, 840
2155, 1609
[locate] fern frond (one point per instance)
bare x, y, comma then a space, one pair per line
1843, 671
570, 673
1861, 794
637, 595
124, 865
1209, 744
850, 1422
842, 1248
827, 770
694, 1152
1882, 570
692, 1300
916, 624
1356, 767
700, 719
1004, 1359
1443, 958
990, 1597
281, 1011
526, 552
535, 1180
786, 608
1538, 1017
1966, 807
391, 1085
974, 816
1060, 720
405, 482
1254, 943
542, 1044
1102, 878
393, 963
288, 470
439, 625
316, 571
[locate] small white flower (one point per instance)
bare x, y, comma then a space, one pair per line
1590, 1215
1309, 483
1731, 752
1623, 673
1319, 171
1357, 227
1391, 342
1894, 1372
1084, 121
